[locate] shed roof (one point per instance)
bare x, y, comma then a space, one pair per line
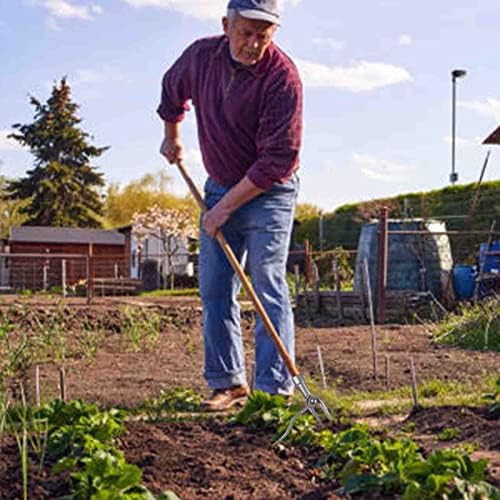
44, 234
493, 138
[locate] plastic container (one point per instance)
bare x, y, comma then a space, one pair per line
464, 281
490, 262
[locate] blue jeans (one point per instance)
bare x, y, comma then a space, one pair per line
260, 232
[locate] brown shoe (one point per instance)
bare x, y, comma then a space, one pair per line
224, 399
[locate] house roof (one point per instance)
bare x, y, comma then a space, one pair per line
43, 234
493, 138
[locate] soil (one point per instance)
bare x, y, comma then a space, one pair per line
210, 458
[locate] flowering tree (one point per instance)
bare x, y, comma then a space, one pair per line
171, 226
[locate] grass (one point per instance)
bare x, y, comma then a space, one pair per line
397, 401
473, 326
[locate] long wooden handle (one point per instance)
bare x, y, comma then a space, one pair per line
243, 277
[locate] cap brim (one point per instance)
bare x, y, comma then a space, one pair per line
259, 15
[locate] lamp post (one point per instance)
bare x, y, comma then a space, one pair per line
455, 74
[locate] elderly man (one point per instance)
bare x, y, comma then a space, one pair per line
248, 101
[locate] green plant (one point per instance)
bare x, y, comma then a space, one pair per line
264, 410
139, 329
448, 434
175, 400
364, 463
474, 326
493, 399
106, 474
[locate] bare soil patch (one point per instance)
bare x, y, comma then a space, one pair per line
213, 459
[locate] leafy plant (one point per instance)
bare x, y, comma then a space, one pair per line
364, 463
263, 410
493, 398
448, 434
175, 400
106, 475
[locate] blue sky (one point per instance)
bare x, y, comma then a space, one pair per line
376, 73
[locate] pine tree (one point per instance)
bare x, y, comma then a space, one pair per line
63, 189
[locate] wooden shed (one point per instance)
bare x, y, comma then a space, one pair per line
40, 256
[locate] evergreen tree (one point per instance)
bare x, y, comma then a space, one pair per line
63, 189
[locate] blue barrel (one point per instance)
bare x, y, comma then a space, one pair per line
490, 262
464, 281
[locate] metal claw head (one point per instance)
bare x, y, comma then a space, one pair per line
311, 403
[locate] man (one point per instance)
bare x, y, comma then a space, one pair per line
248, 100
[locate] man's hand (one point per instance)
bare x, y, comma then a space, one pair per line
237, 196
214, 219
172, 149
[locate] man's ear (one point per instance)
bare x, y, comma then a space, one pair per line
225, 24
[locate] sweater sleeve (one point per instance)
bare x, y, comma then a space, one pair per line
176, 87
279, 133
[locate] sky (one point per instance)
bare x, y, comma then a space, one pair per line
376, 74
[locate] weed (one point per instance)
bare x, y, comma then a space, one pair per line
139, 330
171, 401
448, 434
474, 326
493, 399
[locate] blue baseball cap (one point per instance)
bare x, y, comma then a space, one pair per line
262, 10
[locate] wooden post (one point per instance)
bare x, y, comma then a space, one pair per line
321, 366
414, 389
317, 300
296, 276
62, 383
37, 385
45, 277
387, 372
308, 262
366, 274
382, 264
90, 274
63, 277
338, 293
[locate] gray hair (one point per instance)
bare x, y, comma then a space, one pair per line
231, 14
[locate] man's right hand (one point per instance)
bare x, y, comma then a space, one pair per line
172, 150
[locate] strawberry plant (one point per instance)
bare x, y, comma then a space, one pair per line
364, 463
264, 410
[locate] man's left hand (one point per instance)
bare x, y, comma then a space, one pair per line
214, 219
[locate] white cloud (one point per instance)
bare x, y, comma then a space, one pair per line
193, 159
329, 42
194, 163
383, 170
96, 9
65, 9
460, 141
102, 74
405, 40
201, 9
489, 107
7, 144
360, 76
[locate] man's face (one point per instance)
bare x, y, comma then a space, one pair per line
248, 38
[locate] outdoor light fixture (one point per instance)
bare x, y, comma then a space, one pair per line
456, 73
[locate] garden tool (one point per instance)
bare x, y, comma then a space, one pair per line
312, 402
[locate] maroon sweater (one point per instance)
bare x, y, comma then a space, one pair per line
249, 118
